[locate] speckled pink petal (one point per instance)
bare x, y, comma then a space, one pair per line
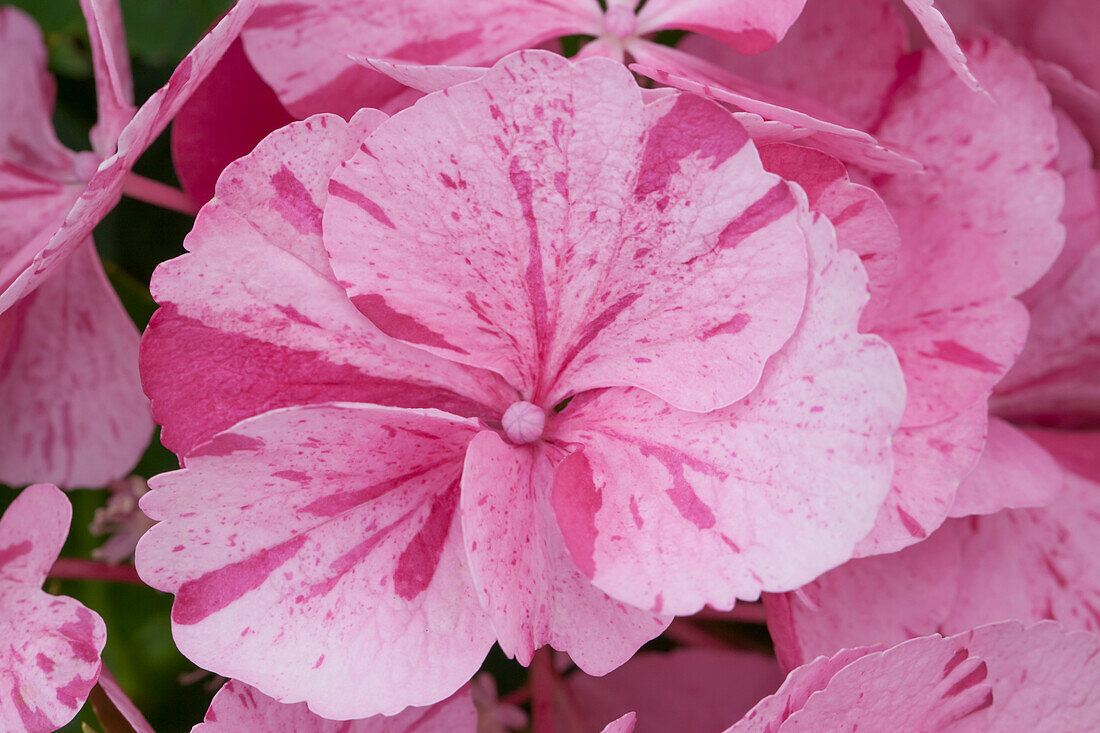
38, 182
49, 645
1057, 378
930, 462
748, 26
1044, 679
952, 357
527, 583
27, 137
226, 117
862, 222
113, 81
301, 48
74, 412
990, 182
1027, 564
315, 552
572, 248
253, 318
833, 134
670, 510
238, 708
686, 689
1013, 472
104, 189
32, 532
981, 225
927, 684
856, 76
942, 37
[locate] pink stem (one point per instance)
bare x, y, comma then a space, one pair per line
516, 697
542, 688
68, 568
158, 194
745, 613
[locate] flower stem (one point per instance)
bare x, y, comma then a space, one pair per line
68, 568
542, 691
158, 194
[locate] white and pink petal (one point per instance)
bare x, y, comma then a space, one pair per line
528, 584
316, 570
74, 411
671, 510
253, 319
596, 255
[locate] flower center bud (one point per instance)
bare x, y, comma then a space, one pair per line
620, 22
523, 422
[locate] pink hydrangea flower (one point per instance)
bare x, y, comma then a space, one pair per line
69, 388
49, 645
358, 404
977, 229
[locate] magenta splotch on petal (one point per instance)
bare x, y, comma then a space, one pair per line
49, 645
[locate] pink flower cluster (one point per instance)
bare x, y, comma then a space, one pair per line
475, 344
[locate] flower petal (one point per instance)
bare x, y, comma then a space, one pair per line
677, 509
930, 462
32, 532
1013, 472
599, 253
832, 134
27, 137
855, 77
939, 32
528, 584
1043, 678
862, 222
1027, 564
225, 118
983, 222
1056, 380
104, 189
749, 26
49, 645
51, 648
113, 81
301, 47
238, 707
254, 319
925, 684
317, 570
74, 412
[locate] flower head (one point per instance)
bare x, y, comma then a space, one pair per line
623, 272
